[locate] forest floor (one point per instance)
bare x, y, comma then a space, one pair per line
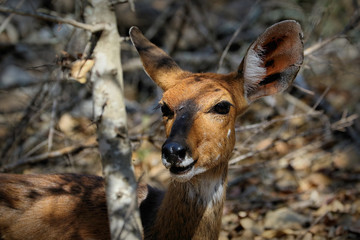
295, 170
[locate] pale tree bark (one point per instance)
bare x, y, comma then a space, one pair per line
110, 115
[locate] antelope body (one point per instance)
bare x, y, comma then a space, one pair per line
199, 112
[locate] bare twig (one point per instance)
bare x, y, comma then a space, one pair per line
35, 148
90, 143
8, 19
290, 155
307, 91
179, 31
15, 136
353, 22
321, 97
50, 18
244, 156
265, 124
162, 18
303, 150
236, 33
344, 122
320, 45
198, 20
52, 123
297, 102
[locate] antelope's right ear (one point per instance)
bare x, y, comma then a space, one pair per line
273, 60
160, 67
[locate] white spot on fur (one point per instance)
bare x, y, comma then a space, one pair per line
253, 71
187, 176
229, 132
183, 177
165, 162
187, 161
199, 170
208, 192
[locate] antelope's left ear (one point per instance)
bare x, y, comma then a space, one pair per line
273, 60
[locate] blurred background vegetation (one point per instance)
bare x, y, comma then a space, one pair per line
295, 171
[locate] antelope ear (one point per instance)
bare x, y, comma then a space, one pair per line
160, 67
273, 60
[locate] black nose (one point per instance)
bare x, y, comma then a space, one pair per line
173, 152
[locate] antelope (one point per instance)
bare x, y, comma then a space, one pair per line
199, 112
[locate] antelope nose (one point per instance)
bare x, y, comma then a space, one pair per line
173, 152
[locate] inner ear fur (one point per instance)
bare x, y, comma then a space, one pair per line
273, 60
160, 67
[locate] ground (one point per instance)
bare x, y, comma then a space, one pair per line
295, 170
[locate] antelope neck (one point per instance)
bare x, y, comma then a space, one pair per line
193, 209
206, 189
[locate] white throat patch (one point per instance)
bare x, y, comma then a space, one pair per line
206, 192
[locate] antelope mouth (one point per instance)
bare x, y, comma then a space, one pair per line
181, 170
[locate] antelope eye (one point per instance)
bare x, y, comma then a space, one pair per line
222, 108
166, 111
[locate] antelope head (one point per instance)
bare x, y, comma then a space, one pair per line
199, 109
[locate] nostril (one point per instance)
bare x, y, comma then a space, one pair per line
181, 152
173, 152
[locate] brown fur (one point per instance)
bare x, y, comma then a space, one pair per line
181, 216
73, 206
66, 206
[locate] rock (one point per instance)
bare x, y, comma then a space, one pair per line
250, 225
284, 218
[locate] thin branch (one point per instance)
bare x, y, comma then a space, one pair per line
50, 18
320, 45
8, 19
307, 91
52, 124
321, 97
163, 18
303, 150
354, 21
197, 19
236, 33
90, 143
266, 124
344, 122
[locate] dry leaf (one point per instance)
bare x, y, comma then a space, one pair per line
80, 68
264, 144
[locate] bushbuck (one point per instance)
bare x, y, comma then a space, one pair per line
199, 112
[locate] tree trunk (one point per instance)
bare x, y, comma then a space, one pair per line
110, 115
